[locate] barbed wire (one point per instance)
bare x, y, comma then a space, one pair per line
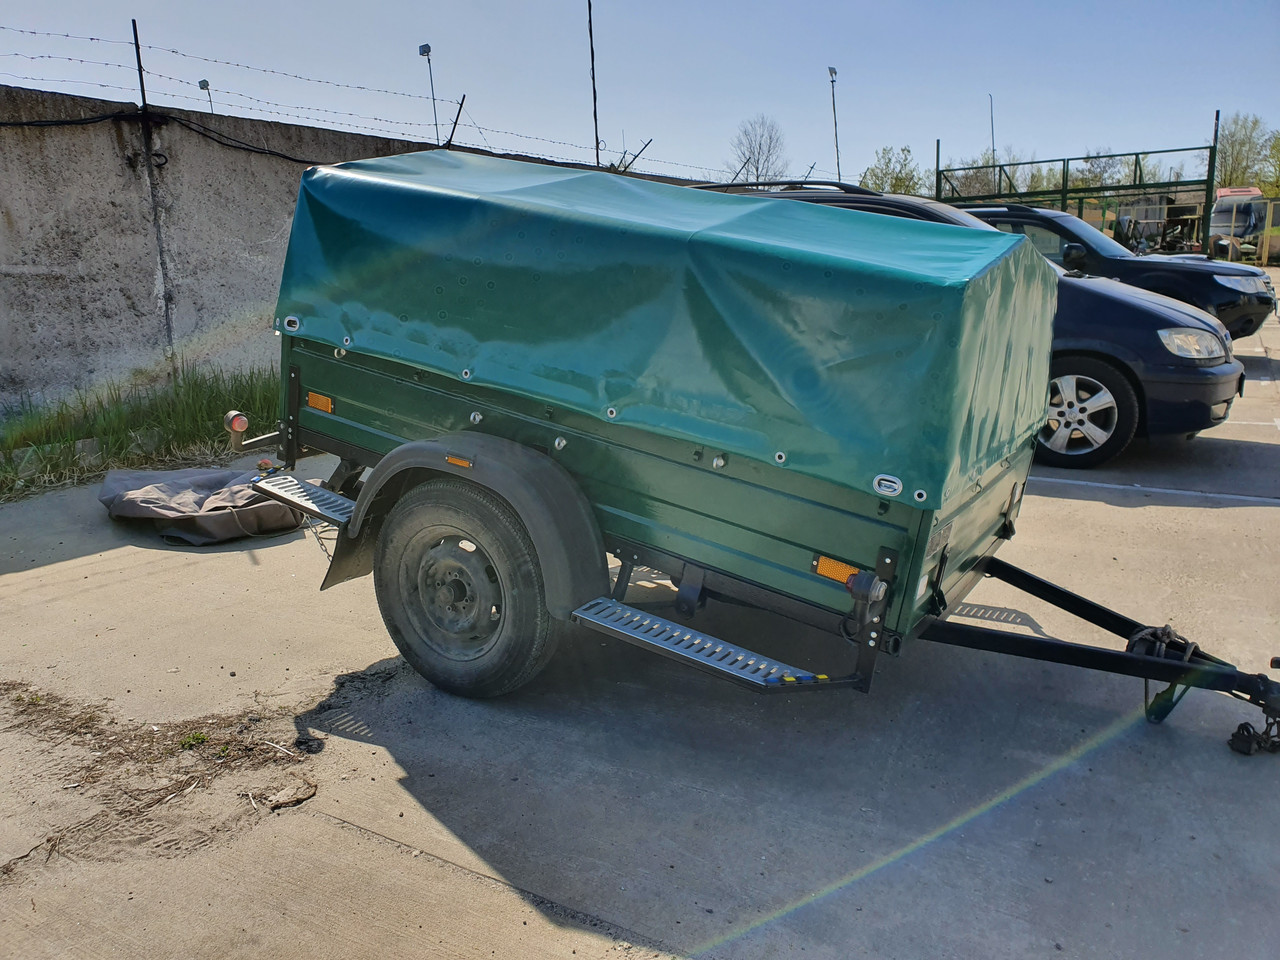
50, 56
294, 76
397, 128
90, 83
476, 126
287, 106
65, 36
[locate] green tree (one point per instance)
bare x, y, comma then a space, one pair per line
1243, 142
1269, 180
1099, 170
894, 171
969, 183
1047, 176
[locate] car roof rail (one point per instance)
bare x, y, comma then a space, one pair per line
792, 185
988, 205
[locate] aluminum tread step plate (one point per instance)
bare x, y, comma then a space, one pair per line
690, 646
311, 499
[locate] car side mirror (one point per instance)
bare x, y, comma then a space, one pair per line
1073, 255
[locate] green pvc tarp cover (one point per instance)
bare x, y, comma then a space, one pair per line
840, 344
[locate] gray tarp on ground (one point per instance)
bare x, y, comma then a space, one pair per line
196, 506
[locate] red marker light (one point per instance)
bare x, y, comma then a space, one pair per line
239, 423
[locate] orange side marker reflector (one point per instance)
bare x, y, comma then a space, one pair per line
319, 402
833, 569
457, 461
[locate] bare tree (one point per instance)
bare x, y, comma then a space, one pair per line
759, 150
1242, 150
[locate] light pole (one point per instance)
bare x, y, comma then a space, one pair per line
996, 170
424, 50
835, 124
595, 113
204, 85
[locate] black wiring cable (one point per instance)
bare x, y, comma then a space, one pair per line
225, 139
217, 136
77, 122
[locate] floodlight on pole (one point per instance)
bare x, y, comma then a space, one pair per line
204, 85
835, 124
424, 50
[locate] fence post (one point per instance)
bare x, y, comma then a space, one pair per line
937, 169
1210, 179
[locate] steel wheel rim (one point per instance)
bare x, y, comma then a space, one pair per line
1083, 415
454, 595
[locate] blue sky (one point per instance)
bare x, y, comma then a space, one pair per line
1065, 77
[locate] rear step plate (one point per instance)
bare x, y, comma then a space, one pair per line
307, 497
697, 649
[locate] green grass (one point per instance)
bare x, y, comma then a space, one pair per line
192, 740
172, 423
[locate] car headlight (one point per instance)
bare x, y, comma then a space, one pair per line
1192, 344
1243, 284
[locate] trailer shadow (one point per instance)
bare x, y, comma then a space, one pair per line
638, 791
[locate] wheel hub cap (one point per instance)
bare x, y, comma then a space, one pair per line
1082, 415
459, 598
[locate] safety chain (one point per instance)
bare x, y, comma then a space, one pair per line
316, 526
1248, 740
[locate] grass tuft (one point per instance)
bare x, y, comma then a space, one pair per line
174, 423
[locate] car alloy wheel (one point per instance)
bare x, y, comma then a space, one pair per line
1093, 413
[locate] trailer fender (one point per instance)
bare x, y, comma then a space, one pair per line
540, 491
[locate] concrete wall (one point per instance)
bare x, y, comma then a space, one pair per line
109, 262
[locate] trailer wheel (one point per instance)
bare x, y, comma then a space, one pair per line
1093, 413
461, 591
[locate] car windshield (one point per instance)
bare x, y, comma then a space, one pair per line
1091, 236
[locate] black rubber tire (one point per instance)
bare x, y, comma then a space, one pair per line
433, 591
1076, 435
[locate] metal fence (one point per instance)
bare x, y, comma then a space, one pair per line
1112, 178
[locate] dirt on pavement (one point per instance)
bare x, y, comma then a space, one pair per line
147, 789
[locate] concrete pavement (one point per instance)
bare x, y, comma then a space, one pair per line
971, 806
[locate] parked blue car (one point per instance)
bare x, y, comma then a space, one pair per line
1126, 362
1239, 295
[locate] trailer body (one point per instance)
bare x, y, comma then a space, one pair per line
825, 414
761, 391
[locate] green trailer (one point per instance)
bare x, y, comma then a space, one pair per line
524, 369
